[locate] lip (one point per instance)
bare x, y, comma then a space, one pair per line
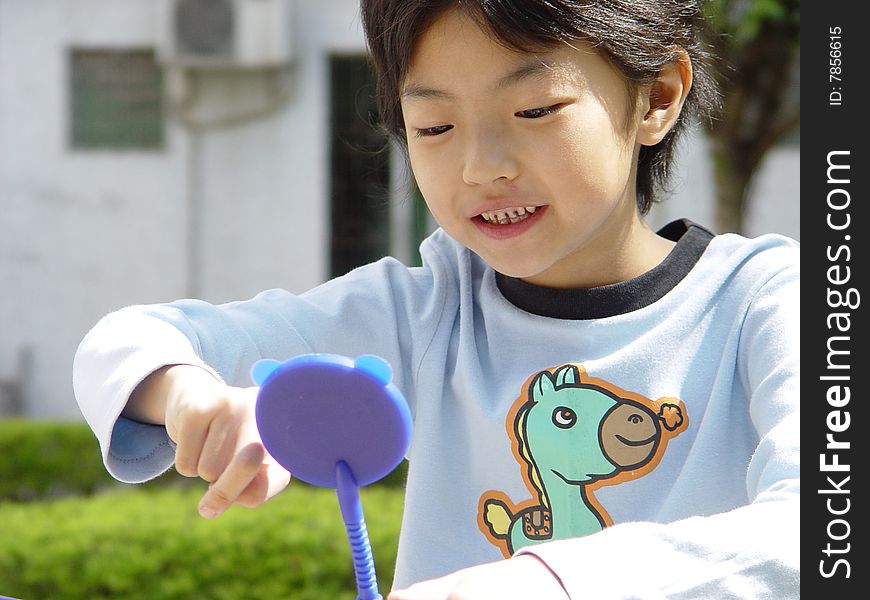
503, 232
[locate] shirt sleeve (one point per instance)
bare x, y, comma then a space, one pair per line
384, 308
749, 552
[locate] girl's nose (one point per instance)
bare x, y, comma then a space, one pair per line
488, 158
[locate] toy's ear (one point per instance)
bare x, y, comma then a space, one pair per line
262, 369
375, 366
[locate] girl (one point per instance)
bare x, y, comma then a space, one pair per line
611, 409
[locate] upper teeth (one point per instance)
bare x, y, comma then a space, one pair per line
508, 215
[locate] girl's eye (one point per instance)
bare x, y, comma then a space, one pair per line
537, 113
430, 131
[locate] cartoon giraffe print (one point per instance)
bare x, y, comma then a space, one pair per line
573, 434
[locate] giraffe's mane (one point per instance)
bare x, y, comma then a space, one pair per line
525, 453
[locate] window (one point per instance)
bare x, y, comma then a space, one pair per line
359, 167
117, 99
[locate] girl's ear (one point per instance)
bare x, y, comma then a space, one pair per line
664, 100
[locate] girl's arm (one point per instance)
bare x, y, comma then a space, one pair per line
164, 384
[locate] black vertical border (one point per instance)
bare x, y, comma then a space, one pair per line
828, 126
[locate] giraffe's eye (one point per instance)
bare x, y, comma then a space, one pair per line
564, 417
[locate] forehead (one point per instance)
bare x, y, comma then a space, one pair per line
454, 54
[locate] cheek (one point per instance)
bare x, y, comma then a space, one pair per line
432, 179
576, 165
588, 156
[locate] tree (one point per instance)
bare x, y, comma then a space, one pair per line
758, 44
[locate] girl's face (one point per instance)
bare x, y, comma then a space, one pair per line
526, 159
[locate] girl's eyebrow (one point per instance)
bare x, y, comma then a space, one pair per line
533, 69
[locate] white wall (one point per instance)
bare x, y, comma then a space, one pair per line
82, 232
85, 232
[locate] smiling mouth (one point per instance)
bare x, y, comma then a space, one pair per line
634, 443
508, 216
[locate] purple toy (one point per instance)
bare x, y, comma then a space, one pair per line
339, 423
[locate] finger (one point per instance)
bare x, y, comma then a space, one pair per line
269, 481
191, 436
224, 491
218, 449
233, 428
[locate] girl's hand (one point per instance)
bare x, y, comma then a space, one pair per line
214, 428
518, 578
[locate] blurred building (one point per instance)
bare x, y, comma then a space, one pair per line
152, 150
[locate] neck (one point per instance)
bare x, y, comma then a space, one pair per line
621, 250
571, 515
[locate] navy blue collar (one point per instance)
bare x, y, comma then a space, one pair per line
618, 298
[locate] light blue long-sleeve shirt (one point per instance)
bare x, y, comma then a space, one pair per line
529, 408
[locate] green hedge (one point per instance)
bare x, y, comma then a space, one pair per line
139, 543
40, 459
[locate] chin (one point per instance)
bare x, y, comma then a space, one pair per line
508, 265
516, 271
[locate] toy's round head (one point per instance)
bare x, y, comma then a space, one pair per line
318, 409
